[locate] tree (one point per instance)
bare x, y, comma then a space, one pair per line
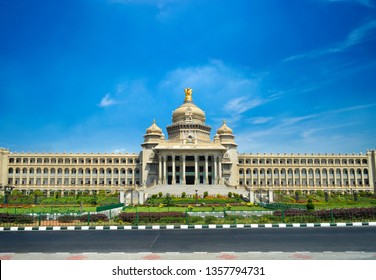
36, 194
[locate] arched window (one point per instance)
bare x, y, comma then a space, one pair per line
10, 170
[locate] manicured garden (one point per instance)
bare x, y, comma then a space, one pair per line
166, 209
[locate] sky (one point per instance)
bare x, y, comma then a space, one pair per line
292, 76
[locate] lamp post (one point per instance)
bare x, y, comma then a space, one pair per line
7, 191
196, 197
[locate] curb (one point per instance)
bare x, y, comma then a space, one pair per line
213, 226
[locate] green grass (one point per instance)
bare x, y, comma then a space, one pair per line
47, 209
195, 209
338, 201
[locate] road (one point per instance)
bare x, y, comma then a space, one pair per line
358, 239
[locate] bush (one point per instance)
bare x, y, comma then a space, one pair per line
183, 195
151, 217
310, 205
160, 194
206, 194
67, 218
210, 220
320, 193
229, 194
16, 218
94, 218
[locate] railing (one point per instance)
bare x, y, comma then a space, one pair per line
288, 216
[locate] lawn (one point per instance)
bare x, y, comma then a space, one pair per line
47, 209
195, 209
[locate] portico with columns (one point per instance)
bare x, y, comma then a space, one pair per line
184, 167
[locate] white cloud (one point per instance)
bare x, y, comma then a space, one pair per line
107, 101
242, 104
355, 37
320, 132
261, 120
230, 91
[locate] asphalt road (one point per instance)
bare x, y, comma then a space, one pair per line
186, 241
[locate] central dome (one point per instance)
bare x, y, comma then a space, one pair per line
188, 111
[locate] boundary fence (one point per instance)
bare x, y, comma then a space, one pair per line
189, 217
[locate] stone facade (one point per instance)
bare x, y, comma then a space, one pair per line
188, 157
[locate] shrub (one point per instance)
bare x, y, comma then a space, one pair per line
16, 218
210, 219
151, 217
320, 193
206, 194
160, 194
228, 206
190, 207
67, 218
168, 200
229, 194
310, 205
94, 218
183, 195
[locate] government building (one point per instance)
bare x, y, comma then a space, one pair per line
188, 160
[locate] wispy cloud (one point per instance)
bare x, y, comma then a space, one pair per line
317, 132
242, 104
231, 91
107, 101
355, 37
261, 120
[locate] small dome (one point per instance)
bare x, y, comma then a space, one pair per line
188, 111
154, 129
224, 129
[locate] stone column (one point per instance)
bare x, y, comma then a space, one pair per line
121, 197
271, 198
220, 169
141, 197
215, 181
173, 170
160, 170
164, 170
251, 196
183, 179
206, 170
196, 170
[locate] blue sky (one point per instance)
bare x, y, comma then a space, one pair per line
294, 76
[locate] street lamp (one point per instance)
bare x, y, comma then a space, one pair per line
7, 191
196, 197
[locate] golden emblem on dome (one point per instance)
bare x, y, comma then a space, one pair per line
188, 95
